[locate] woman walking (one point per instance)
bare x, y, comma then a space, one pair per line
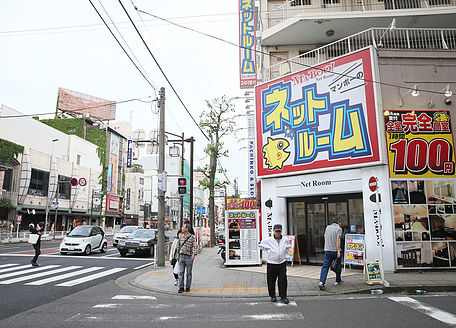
37, 245
173, 255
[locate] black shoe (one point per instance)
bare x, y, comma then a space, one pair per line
285, 300
181, 290
274, 299
322, 287
187, 289
35, 264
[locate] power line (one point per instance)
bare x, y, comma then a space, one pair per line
112, 33
156, 62
80, 109
277, 57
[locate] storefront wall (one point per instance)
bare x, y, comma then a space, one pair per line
335, 183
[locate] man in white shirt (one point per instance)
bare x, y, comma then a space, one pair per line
277, 247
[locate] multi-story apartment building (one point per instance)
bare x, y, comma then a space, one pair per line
355, 97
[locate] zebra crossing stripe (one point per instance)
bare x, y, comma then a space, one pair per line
18, 273
90, 277
134, 297
15, 268
7, 265
63, 276
37, 275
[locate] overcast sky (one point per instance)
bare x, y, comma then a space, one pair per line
49, 44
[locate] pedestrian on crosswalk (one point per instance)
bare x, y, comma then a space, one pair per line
36, 230
277, 247
187, 251
173, 255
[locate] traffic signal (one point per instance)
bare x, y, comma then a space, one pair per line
182, 186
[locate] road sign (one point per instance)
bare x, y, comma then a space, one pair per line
74, 182
372, 184
201, 210
55, 203
19, 219
82, 182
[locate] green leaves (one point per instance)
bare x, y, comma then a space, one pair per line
9, 150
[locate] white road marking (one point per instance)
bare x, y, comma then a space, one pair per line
292, 303
115, 254
37, 275
18, 273
90, 277
144, 265
63, 276
83, 257
15, 268
7, 265
431, 311
106, 306
134, 297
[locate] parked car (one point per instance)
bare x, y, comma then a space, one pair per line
84, 239
141, 242
124, 233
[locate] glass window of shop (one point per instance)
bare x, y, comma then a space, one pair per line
38, 183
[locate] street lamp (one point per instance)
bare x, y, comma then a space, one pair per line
49, 185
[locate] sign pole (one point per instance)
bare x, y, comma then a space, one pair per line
384, 282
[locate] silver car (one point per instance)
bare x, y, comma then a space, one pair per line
123, 234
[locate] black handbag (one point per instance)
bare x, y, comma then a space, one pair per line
334, 265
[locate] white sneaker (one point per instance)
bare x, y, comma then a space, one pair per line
337, 283
175, 283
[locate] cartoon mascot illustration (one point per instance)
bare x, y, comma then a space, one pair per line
441, 117
274, 152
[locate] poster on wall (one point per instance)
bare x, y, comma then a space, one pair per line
321, 117
355, 249
113, 204
421, 165
242, 237
247, 44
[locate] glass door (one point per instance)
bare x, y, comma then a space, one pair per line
316, 218
297, 225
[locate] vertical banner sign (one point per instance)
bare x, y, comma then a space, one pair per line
422, 171
251, 161
127, 200
247, 43
242, 237
321, 117
355, 249
129, 153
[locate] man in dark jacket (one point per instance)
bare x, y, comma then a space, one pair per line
36, 230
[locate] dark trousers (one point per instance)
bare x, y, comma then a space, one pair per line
37, 252
275, 271
329, 257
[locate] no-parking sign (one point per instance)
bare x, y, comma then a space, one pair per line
82, 182
74, 182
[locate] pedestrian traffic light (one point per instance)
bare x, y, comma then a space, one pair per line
182, 186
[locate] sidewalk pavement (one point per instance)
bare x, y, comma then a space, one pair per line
212, 279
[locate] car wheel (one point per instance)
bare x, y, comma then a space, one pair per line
87, 250
123, 253
63, 253
104, 248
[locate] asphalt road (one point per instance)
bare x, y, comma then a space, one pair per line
48, 281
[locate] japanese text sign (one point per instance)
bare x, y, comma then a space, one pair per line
420, 143
355, 247
324, 116
241, 203
247, 43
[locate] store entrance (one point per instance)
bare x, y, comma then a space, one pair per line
309, 216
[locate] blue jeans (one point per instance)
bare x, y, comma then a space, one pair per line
185, 261
329, 257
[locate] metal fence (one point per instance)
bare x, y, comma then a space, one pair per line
292, 8
380, 38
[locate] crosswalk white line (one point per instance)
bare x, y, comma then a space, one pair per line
144, 265
15, 268
134, 297
18, 273
37, 275
7, 265
63, 276
431, 311
90, 277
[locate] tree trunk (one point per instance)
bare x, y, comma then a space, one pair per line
212, 172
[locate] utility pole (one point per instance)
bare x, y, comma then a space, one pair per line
160, 260
191, 180
182, 174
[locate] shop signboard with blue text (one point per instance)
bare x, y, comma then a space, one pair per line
319, 118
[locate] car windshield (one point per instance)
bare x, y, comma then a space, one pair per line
128, 229
143, 234
80, 231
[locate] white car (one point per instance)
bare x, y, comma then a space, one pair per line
84, 239
123, 234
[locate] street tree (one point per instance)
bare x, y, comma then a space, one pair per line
217, 123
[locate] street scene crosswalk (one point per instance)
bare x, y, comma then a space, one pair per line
66, 276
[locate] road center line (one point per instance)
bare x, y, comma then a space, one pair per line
431, 311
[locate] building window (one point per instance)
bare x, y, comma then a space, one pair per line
141, 181
301, 3
64, 187
78, 159
7, 177
329, 2
439, 2
39, 182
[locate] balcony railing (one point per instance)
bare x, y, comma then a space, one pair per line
11, 195
380, 38
292, 8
